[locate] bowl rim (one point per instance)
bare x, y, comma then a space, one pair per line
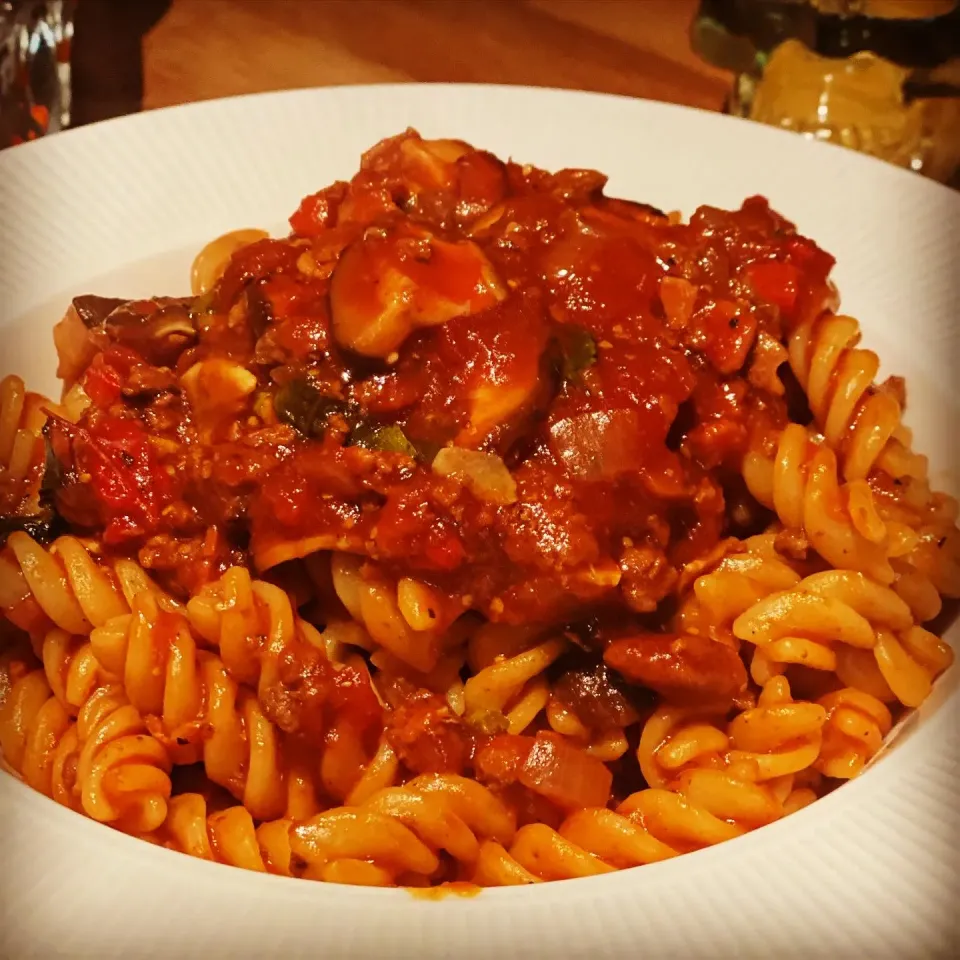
835, 807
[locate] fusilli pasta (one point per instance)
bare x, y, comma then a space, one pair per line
407, 619
63, 586
227, 836
22, 454
862, 422
195, 707
859, 420
395, 835
389, 566
836, 608
800, 483
104, 762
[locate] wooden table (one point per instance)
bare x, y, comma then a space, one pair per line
216, 48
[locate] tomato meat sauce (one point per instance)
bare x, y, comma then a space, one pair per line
529, 396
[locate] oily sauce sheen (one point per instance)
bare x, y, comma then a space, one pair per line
444, 514
609, 356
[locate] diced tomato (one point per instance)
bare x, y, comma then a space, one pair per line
715, 441
775, 282
121, 358
318, 211
502, 757
104, 378
41, 116
124, 474
444, 549
410, 524
352, 696
102, 384
678, 297
809, 256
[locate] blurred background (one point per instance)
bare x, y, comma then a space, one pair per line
881, 76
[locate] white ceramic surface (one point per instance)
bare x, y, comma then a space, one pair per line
120, 209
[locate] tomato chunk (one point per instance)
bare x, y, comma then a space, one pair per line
114, 456
775, 282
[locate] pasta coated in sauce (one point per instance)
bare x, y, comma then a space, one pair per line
485, 530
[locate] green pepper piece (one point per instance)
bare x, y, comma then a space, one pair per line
303, 406
387, 439
489, 722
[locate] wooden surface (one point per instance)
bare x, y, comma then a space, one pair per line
216, 48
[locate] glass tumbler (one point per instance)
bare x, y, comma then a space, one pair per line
35, 40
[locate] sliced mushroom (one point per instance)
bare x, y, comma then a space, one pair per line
93, 310
431, 163
158, 330
385, 287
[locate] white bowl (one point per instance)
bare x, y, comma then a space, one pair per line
121, 208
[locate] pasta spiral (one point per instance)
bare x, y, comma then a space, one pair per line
71, 668
254, 627
859, 420
705, 786
228, 836
764, 745
123, 773
507, 682
194, 706
930, 569
649, 826
407, 619
22, 418
828, 611
743, 577
104, 762
38, 738
853, 734
862, 423
64, 587
396, 834
800, 483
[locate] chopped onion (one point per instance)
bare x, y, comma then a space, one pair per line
565, 775
484, 474
598, 444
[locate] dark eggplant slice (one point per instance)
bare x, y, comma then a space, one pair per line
158, 330
94, 310
44, 526
578, 351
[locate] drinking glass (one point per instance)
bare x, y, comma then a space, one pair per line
35, 40
880, 76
